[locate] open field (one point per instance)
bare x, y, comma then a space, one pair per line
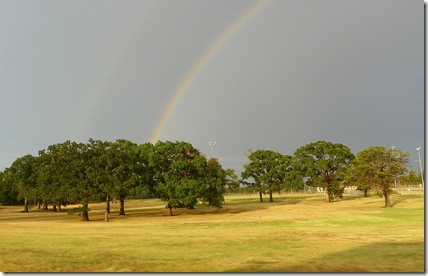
296, 233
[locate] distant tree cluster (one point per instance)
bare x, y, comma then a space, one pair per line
328, 166
181, 176
73, 172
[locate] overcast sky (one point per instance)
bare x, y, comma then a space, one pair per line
294, 72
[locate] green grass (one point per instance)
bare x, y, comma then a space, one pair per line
296, 233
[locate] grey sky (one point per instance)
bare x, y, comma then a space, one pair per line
295, 72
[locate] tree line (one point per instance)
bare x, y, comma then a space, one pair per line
178, 174
329, 166
71, 172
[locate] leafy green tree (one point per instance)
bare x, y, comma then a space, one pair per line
253, 171
110, 169
279, 174
47, 187
99, 170
123, 170
53, 184
94, 182
324, 164
143, 169
290, 178
8, 193
184, 176
360, 175
215, 181
73, 172
78, 172
265, 167
380, 166
232, 181
177, 182
412, 178
23, 177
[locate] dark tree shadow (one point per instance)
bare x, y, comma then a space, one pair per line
376, 257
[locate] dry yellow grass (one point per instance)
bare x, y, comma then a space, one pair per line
297, 232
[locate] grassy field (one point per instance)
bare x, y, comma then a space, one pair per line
296, 233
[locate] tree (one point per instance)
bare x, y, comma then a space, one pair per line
95, 181
22, 173
360, 175
184, 176
8, 193
53, 183
290, 178
143, 169
254, 171
215, 181
99, 170
324, 164
79, 173
412, 178
232, 181
177, 182
265, 168
380, 166
73, 172
122, 167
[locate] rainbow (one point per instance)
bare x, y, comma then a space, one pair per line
97, 91
205, 57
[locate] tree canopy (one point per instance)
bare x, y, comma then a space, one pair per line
268, 170
71, 172
377, 167
178, 174
184, 176
324, 164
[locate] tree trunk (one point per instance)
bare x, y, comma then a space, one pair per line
170, 210
261, 196
54, 207
45, 206
387, 199
39, 206
108, 204
107, 208
59, 207
366, 192
326, 195
122, 206
25, 205
85, 214
270, 197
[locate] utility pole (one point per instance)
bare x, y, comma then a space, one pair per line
420, 167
